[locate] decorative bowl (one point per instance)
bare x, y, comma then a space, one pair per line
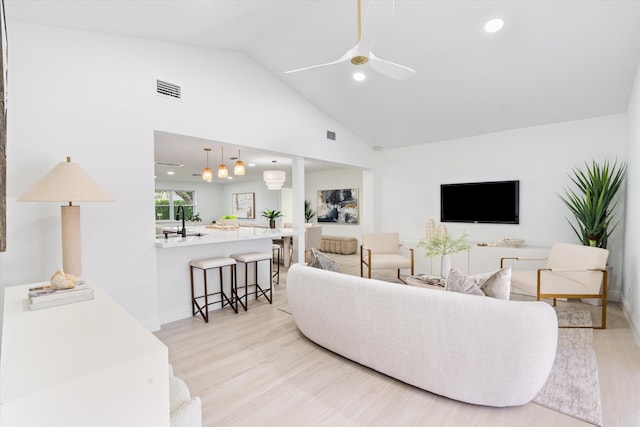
514, 243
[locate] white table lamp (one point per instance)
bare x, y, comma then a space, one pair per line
68, 182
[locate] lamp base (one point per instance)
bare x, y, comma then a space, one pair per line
71, 254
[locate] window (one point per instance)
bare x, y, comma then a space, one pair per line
168, 201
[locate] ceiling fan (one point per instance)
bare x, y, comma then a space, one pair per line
376, 18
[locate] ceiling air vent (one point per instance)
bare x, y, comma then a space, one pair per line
168, 89
331, 135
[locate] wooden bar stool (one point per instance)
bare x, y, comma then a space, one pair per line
275, 249
205, 265
254, 258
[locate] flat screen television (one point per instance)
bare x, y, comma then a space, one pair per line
495, 202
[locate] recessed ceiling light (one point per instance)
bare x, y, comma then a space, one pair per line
171, 173
494, 25
358, 76
252, 165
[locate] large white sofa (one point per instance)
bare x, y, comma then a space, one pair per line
475, 349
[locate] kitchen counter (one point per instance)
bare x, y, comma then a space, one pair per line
214, 235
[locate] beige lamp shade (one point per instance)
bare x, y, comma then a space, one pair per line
66, 182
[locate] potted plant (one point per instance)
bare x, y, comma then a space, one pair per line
271, 215
308, 212
592, 204
444, 245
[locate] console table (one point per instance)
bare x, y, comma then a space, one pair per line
80, 364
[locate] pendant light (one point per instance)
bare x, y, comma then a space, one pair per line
207, 173
238, 168
223, 172
273, 178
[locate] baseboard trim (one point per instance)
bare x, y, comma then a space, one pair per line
153, 325
626, 309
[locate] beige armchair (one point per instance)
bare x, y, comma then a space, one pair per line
571, 271
312, 239
384, 251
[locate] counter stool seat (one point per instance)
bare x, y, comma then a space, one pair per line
206, 264
254, 257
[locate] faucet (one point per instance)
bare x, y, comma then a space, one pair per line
180, 215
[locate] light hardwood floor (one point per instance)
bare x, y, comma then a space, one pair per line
255, 368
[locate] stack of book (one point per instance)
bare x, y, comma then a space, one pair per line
45, 296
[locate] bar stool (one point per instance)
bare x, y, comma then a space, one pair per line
254, 258
206, 264
275, 249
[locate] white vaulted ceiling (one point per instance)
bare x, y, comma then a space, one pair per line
553, 61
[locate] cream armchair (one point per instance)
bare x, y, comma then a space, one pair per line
384, 251
571, 271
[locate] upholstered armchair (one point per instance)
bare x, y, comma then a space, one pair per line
384, 251
312, 239
571, 271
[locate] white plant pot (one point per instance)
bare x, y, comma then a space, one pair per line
445, 266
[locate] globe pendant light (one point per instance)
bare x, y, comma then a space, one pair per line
238, 168
223, 172
207, 173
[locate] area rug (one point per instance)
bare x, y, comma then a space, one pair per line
573, 387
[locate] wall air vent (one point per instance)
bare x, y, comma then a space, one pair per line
168, 89
331, 135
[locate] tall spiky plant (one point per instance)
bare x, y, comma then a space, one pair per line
593, 203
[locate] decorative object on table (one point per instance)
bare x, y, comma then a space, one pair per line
592, 204
442, 231
228, 222
243, 205
308, 212
196, 217
48, 296
60, 280
338, 206
68, 182
207, 173
271, 215
274, 179
513, 242
444, 245
426, 279
429, 230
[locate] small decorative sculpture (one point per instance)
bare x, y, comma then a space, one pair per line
60, 280
430, 230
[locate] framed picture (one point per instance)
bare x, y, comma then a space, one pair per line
338, 206
243, 205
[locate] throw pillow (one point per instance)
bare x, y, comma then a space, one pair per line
320, 260
496, 284
457, 281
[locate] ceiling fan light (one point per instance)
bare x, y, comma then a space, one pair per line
494, 25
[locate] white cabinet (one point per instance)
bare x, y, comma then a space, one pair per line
86, 363
479, 259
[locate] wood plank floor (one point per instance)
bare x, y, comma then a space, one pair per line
254, 368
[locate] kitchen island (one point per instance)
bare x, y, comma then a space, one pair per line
174, 253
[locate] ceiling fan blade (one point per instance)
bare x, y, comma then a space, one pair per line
343, 58
376, 18
390, 69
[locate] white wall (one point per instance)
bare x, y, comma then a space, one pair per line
541, 157
333, 180
92, 96
631, 277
